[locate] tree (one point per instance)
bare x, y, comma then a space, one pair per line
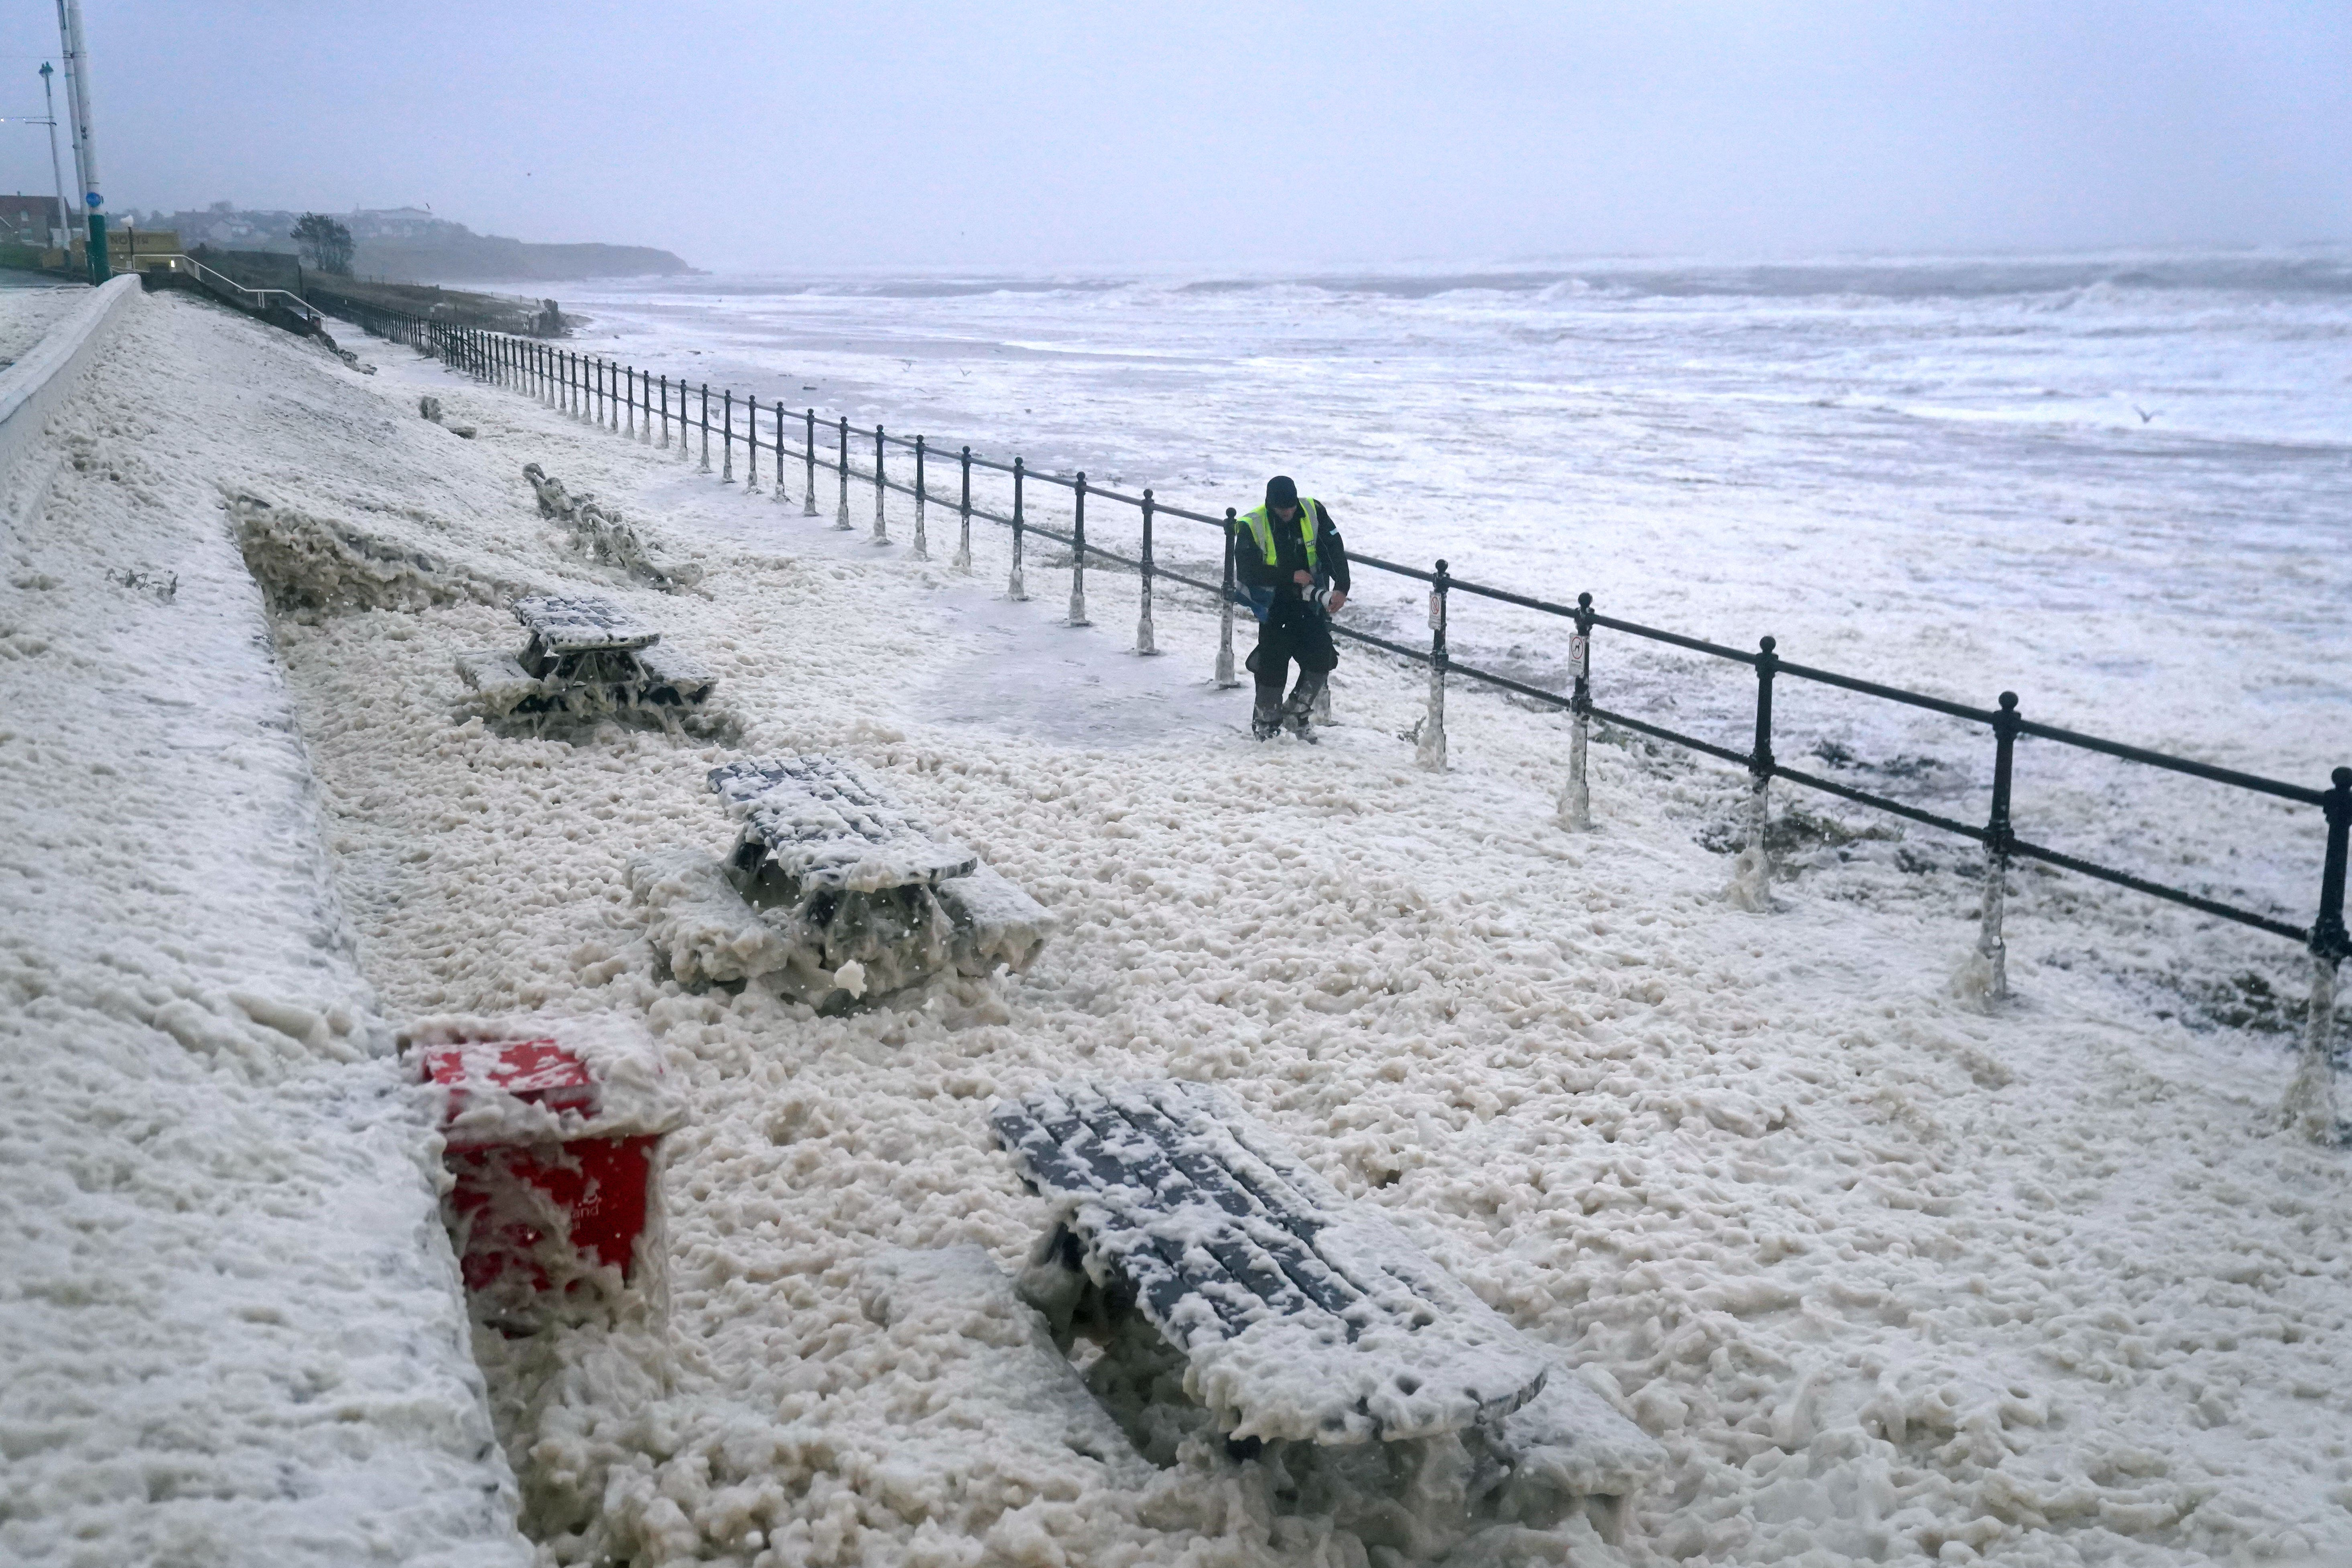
326, 244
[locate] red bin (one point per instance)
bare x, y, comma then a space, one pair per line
555, 1192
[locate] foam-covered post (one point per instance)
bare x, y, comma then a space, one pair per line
751, 445
881, 493
783, 496
1760, 761
645, 394
962, 562
629, 402
2311, 1104
841, 461
727, 436
922, 545
1431, 753
1225, 680
1999, 838
1015, 587
1078, 551
1576, 796
665, 413
808, 459
1144, 642
705, 422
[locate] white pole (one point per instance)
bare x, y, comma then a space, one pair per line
85, 141
64, 229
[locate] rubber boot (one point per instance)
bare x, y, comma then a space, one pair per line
1298, 713
1266, 715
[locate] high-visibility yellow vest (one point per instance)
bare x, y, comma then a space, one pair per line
1261, 526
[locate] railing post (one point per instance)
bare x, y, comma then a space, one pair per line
808, 456
783, 493
665, 413
2311, 1105
1078, 551
1576, 798
1432, 751
962, 562
727, 436
704, 467
1144, 643
841, 452
881, 494
751, 445
646, 396
629, 402
1015, 587
1751, 881
1991, 945
922, 545
1225, 680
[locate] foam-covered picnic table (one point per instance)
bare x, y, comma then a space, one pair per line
584, 657
833, 891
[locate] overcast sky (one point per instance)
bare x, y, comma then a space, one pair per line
1255, 134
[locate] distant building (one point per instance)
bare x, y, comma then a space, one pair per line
30, 220
395, 223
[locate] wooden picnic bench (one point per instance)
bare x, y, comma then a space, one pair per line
585, 658
1299, 1317
833, 890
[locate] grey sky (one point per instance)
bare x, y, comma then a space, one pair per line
1232, 135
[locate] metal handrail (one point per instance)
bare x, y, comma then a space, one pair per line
601, 390
175, 261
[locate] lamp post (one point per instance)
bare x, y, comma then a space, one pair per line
64, 230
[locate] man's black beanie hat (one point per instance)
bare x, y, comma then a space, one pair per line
1281, 490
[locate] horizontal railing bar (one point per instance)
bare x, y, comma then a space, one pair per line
1880, 802
2175, 764
1697, 645
1662, 733
2159, 891
1892, 694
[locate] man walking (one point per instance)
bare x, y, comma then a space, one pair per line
1285, 555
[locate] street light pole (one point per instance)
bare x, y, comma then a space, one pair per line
85, 143
64, 231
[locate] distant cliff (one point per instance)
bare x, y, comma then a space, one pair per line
408, 245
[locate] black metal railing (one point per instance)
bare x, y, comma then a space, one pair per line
632, 401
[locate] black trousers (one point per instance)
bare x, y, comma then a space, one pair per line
1296, 631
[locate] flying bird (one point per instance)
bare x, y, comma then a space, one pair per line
2144, 415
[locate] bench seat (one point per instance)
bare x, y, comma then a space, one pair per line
500, 684
1299, 1316
673, 679
996, 920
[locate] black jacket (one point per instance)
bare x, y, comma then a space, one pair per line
1251, 571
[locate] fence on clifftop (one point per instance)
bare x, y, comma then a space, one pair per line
630, 400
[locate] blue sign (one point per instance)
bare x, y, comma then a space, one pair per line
93, 199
